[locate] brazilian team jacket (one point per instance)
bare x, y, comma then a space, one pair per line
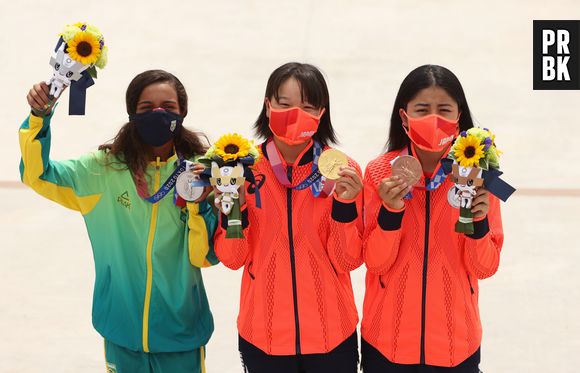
149, 294
297, 254
421, 299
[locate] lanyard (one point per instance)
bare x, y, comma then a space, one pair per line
436, 180
317, 183
142, 188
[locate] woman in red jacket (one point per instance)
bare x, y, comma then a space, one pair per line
421, 309
297, 310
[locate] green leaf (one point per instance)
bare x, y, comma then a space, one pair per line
204, 161
92, 71
217, 159
483, 164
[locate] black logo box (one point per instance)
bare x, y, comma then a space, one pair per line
573, 27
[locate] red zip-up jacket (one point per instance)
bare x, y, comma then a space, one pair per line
298, 250
421, 300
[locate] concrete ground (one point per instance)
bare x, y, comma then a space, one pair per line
224, 51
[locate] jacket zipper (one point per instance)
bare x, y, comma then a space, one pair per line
292, 260
149, 261
250, 270
425, 263
470, 287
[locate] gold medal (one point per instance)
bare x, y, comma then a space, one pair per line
330, 162
408, 168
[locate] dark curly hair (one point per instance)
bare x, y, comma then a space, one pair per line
127, 147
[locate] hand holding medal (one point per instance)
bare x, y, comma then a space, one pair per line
330, 162
333, 165
79, 51
229, 159
189, 185
406, 171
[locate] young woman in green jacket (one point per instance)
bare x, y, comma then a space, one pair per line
149, 301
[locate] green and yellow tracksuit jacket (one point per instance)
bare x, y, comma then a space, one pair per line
149, 294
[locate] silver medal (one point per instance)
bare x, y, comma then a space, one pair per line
184, 188
453, 197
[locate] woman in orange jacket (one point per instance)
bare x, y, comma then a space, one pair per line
421, 309
297, 310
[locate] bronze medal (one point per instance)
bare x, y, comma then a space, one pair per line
408, 168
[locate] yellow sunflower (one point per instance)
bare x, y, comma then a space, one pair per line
468, 151
231, 147
84, 48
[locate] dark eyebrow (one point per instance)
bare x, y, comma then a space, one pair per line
149, 102
444, 105
422, 104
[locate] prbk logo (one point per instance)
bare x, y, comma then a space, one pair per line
556, 55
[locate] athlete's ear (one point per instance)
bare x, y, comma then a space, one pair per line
404, 118
267, 105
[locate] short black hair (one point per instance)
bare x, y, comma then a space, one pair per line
420, 78
313, 89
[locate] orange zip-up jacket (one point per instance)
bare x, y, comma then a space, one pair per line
421, 299
296, 295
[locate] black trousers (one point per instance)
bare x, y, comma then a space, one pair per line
375, 362
343, 359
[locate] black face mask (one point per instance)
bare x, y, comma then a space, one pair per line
158, 126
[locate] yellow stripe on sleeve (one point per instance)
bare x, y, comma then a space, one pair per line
198, 240
31, 150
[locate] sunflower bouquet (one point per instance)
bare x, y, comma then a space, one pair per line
79, 52
473, 153
229, 159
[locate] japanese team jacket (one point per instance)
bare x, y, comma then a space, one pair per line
298, 250
148, 294
421, 300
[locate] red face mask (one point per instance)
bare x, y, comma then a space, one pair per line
432, 133
293, 126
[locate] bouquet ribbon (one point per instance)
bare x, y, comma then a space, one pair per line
78, 94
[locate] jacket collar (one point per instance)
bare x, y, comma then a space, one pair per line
307, 155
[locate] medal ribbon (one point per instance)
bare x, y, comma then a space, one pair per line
435, 181
142, 188
318, 184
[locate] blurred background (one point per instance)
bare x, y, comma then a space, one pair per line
223, 52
